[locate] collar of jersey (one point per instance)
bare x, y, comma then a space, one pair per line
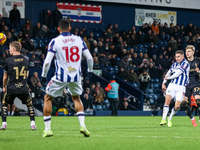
66, 33
182, 60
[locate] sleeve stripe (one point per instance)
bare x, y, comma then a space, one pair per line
51, 51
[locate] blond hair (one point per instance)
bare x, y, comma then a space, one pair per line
190, 47
16, 45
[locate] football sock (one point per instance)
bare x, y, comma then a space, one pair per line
12, 113
8, 113
172, 113
81, 118
188, 111
165, 112
32, 123
4, 112
31, 113
47, 122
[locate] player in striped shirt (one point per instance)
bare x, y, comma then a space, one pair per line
179, 76
68, 50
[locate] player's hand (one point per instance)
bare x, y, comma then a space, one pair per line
163, 87
4, 89
89, 76
197, 69
43, 81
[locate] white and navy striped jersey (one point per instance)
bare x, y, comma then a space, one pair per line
68, 50
182, 79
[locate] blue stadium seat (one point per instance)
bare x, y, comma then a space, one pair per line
145, 46
41, 45
151, 101
35, 44
115, 69
156, 80
134, 85
152, 80
94, 107
99, 107
104, 107
149, 91
106, 101
156, 85
139, 45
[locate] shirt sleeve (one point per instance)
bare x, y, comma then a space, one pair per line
175, 75
84, 45
184, 66
6, 67
51, 46
168, 73
47, 64
108, 88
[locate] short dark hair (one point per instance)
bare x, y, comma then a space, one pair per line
64, 24
179, 52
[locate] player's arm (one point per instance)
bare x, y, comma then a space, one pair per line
48, 59
179, 71
47, 64
88, 57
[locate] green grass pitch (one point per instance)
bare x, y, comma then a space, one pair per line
107, 133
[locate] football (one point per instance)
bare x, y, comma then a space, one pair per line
2, 38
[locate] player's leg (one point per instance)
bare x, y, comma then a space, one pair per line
168, 99
196, 94
27, 100
13, 109
174, 111
75, 89
187, 109
47, 109
8, 107
7, 99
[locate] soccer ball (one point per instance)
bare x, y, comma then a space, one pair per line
2, 38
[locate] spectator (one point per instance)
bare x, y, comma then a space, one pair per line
35, 81
28, 31
115, 29
19, 36
2, 49
5, 30
100, 47
166, 29
155, 37
185, 42
94, 47
30, 25
98, 98
176, 34
42, 58
9, 39
152, 50
173, 44
113, 95
47, 33
124, 63
132, 76
182, 31
125, 106
140, 58
34, 61
146, 28
96, 62
103, 60
37, 31
171, 29
162, 61
56, 17
14, 17
31, 47
155, 27
113, 61
109, 33
101, 90
48, 18
122, 74
149, 37
144, 80
140, 37
189, 28
134, 40
152, 71
87, 102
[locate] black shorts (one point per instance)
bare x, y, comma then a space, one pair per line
9, 98
195, 89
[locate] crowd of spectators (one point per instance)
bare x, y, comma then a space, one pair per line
140, 55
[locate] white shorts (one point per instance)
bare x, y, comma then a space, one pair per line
56, 88
176, 91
